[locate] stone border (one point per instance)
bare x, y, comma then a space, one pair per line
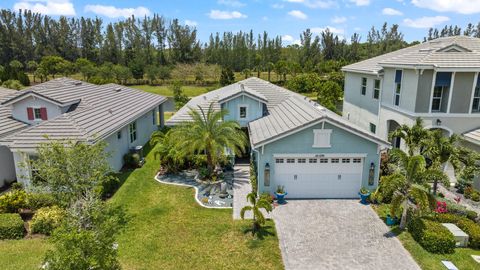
196, 193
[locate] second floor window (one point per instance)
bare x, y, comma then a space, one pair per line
398, 87
437, 98
37, 113
133, 132
376, 89
476, 99
243, 112
364, 86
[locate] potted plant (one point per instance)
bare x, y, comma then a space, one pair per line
364, 194
391, 218
280, 194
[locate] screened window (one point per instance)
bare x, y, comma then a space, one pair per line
364, 86
154, 117
437, 98
290, 160
335, 160
376, 89
373, 128
476, 99
324, 160
279, 160
398, 87
243, 112
302, 160
133, 132
37, 113
119, 135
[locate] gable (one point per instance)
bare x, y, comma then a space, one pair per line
453, 48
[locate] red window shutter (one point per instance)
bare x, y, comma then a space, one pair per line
43, 113
30, 113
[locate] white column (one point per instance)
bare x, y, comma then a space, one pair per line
450, 91
434, 77
475, 78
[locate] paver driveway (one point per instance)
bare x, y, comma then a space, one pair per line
337, 234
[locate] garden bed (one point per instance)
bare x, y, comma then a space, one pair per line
207, 195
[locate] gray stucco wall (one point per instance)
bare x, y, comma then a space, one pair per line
7, 166
462, 92
353, 83
407, 92
342, 141
424, 92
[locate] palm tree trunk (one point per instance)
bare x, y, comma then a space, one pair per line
403, 220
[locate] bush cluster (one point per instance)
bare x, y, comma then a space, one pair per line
432, 236
468, 226
471, 193
13, 201
11, 226
47, 219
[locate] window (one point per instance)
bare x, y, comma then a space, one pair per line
243, 112
302, 160
376, 89
345, 160
119, 135
335, 160
154, 117
290, 160
37, 113
312, 160
324, 160
373, 128
437, 98
364, 86
357, 160
133, 132
398, 87
476, 99
321, 138
279, 160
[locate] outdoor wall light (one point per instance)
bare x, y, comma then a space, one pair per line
371, 174
266, 175
439, 122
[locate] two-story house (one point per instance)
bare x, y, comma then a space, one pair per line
67, 109
294, 142
436, 80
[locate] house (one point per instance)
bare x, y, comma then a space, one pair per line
67, 109
295, 142
437, 80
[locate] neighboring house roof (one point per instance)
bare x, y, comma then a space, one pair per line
448, 52
287, 112
8, 125
473, 136
102, 110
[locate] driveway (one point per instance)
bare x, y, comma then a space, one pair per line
337, 234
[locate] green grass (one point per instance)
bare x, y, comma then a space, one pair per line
168, 230
429, 261
164, 90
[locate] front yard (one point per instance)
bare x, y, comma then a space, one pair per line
167, 230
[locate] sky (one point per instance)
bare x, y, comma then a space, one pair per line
287, 18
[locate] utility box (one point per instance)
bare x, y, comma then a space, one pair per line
461, 238
138, 150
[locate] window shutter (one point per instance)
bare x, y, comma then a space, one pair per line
30, 113
43, 113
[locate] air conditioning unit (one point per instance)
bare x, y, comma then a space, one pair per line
139, 151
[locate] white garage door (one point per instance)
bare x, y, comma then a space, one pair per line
325, 177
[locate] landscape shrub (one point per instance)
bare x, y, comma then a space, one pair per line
11, 226
131, 160
109, 187
13, 201
454, 208
47, 219
472, 215
432, 236
39, 200
473, 230
467, 192
267, 197
448, 218
475, 196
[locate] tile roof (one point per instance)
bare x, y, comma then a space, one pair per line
473, 136
102, 110
287, 112
448, 52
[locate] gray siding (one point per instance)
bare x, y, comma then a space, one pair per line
462, 92
424, 91
407, 92
7, 166
353, 83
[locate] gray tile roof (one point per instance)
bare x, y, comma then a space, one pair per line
431, 54
102, 110
8, 125
473, 136
287, 112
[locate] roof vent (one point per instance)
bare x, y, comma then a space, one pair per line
77, 83
205, 97
118, 89
110, 111
242, 87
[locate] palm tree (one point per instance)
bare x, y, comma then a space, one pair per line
164, 148
409, 184
412, 136
208, 133
255, 207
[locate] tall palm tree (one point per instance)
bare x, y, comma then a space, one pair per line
255, 207
412, 136
409, 184
208, 133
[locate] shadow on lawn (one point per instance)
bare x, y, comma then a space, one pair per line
261, 234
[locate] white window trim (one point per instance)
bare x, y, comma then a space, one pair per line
475, 78
131, 131
320, 132
437, 98
40, 112
363, 85
375, 89
246, 111
395, 89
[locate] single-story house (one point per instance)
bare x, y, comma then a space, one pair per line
67, 109
295, 142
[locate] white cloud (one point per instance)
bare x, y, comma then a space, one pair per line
114, 12
334, 30
47, 7
391, 12
225, 15
265, 18
458, 6
191, 23
287, 38
278, 6
339, 19
298, 14
231, 3
315, 3
425, 22
361, 2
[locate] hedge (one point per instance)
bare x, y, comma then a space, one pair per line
432, 236
469, 227
11, 226
47, 219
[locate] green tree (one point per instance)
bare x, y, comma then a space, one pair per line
179, 97
305, 83
86, 67
122, 73
32, 67
227, 77
13, 84
151, 72
164, 73
171, 159
41, 73
16, 65
247, 73
208, 134
52, 64
413, 136
255, 207
329, 94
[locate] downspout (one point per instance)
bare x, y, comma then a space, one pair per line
258, 164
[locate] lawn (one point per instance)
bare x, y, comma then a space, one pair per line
429, 261
165, 90
168, 230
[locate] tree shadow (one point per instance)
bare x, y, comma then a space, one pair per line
261, 233
394, 232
